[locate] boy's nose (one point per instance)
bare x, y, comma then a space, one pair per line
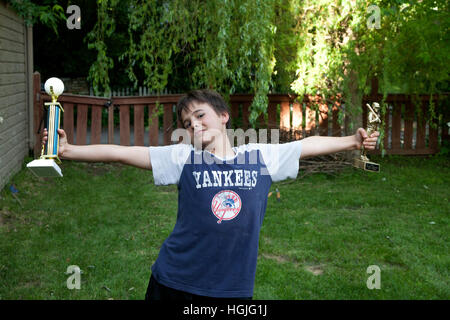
197, 125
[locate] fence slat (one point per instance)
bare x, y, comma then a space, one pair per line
139, 125
310, 125
409, 122
180, 126
297, 119
124, 115
421, 127
245, 114
335, 126
68, 124
111, 124
82, 114
96, 124
323, 119
285, 116
433, 137
153, 127
272, 115
167, 123
234, 111
396, 125
387, 128
261, 120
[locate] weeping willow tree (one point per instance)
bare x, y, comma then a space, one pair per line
342, 45
313, 47
228, 43
103, 29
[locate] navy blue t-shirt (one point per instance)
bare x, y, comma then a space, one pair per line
213, 248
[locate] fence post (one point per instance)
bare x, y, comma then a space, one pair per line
37, 114
335, 109
167, 123
323, 117
110, 105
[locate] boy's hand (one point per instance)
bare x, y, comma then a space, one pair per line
363, 139
62, 141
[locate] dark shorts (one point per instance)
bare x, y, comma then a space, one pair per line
157, 291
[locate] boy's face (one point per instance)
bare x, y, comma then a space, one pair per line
203, 123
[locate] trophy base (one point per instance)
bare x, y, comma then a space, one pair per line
45, 168
366, 165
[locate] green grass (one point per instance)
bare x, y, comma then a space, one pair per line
111, 220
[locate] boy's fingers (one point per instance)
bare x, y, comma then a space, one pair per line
370, 145
363, 133
62, 133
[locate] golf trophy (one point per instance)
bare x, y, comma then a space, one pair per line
374, 121
46, 166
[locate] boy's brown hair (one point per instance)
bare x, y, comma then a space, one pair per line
210, 97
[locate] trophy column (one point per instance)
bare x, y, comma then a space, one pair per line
46, 166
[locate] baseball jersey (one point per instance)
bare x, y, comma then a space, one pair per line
213, 248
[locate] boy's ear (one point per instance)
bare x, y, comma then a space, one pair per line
225, 117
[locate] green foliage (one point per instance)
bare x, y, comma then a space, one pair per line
340, 50
228, 45
65, 55
313, 47
47, 12
104, 28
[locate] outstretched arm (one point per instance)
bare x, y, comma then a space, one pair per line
319, 145
133, 156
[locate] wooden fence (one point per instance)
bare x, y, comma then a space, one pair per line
406, 131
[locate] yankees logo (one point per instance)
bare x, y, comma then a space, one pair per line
226, 205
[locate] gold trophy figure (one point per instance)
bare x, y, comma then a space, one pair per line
46, 166
373, 123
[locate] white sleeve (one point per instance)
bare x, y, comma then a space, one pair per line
168, 162
282, 160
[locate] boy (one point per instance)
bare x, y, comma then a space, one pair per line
212, 250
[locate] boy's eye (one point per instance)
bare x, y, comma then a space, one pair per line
188, 124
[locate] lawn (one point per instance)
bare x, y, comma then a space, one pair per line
316, 243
